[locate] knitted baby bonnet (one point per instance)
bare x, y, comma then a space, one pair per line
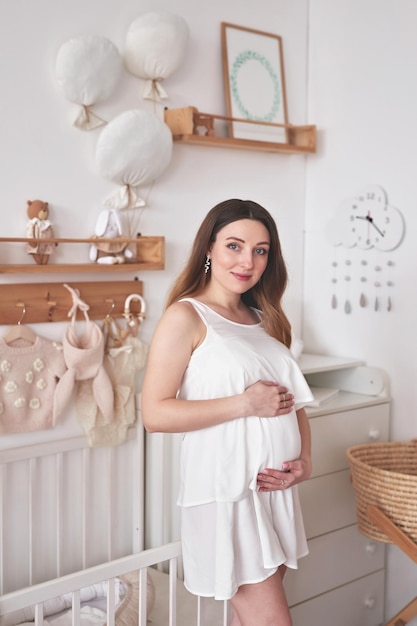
83, 357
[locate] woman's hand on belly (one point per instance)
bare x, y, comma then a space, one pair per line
292, 473
268, 399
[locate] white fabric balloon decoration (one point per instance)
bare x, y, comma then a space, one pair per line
154, 49
132, 151
87, 70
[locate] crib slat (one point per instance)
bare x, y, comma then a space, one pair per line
76, 608
59, 463
138, 482
173, 592
111, 604
110, 504
84, 504
31, 513
143, 599
39, 615
200, 611
225, 612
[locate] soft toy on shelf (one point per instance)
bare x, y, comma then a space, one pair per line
39, 227
108, 226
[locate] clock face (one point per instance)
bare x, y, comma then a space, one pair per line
367, 221
365, 232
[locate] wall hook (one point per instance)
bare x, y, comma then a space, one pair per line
133, 320
134, 296
112, 305
51, 306
23, 305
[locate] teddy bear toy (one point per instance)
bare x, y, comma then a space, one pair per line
39, 227
108, 226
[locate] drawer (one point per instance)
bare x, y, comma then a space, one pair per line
360, 603
328, 503
332, 434
335, 559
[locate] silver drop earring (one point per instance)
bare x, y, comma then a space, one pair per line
207, 264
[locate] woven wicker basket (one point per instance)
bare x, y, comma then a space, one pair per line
385, 475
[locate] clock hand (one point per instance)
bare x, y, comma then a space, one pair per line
366, 218
370, 219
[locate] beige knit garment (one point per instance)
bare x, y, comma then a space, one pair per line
29, 373
122, 364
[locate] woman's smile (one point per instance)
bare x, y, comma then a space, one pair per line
242, 277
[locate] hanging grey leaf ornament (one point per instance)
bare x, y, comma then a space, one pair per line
334, 301
348, 307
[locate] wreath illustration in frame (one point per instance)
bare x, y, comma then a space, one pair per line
253, 71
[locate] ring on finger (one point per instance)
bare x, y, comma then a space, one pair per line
282, 483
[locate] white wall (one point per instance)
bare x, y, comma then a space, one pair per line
363, 98
44, 156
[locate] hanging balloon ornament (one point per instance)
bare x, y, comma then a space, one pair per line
154, 49
87, 70
132, 151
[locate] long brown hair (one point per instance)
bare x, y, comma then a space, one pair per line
266, 295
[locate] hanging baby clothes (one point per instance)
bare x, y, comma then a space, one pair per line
83, 356
29, 372
125, 356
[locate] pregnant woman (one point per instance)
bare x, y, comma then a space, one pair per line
220, 371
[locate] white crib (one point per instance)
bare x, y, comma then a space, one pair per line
71, 520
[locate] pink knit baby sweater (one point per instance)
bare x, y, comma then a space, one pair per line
29, 373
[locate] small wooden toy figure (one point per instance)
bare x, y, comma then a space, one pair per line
39, 227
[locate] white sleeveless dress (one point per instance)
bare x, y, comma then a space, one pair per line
233, 534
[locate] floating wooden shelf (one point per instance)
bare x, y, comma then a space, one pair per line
186, 122
150, 255
262, 146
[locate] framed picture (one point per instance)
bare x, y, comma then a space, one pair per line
253, 70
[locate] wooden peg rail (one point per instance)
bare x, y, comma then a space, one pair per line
50, 302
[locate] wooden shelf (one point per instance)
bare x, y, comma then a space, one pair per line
186, 122
246, 144
150, 255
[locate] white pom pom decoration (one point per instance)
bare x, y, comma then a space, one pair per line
132, 151
155, 48
87, 71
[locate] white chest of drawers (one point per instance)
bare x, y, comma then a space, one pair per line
341, 581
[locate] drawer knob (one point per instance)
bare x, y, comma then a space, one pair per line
374, 434
370, 603
370, 547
